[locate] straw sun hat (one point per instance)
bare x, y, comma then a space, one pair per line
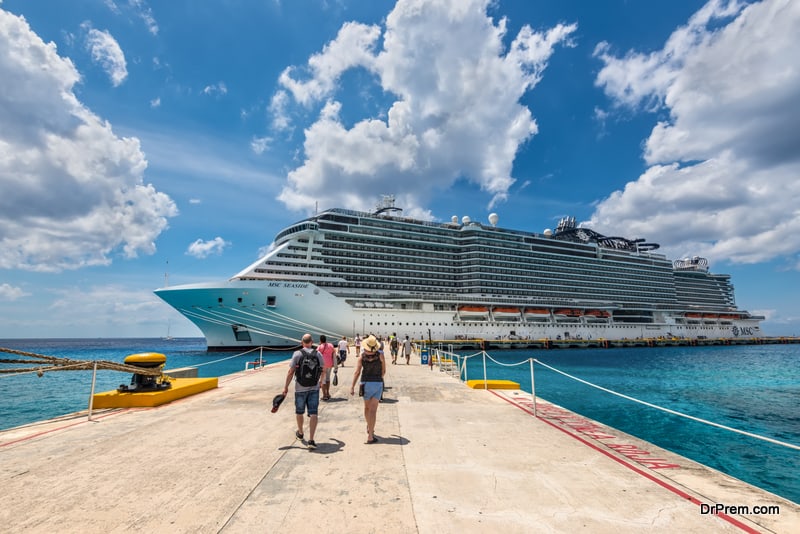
371, 344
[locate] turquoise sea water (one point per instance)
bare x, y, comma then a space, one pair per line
752, 388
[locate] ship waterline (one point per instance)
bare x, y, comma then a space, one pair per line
458, 280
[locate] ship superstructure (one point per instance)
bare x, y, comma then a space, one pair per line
343, 272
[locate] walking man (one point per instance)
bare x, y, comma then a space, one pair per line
407, 349
306, 368
342, 350
394, 344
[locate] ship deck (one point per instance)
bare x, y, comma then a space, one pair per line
479, 343
449, 459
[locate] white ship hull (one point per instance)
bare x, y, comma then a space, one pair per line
239, 314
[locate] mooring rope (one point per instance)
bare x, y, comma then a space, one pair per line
673, 412
44, 364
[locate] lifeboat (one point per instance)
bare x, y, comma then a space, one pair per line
597, 315
567, 313
537, 314
710, 317
473, 313
692, 315
505, 313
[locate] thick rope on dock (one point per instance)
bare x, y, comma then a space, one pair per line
40, 364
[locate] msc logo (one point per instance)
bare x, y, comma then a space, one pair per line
743, 331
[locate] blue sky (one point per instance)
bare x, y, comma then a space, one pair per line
140, 138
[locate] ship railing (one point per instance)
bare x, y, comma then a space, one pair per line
462, 375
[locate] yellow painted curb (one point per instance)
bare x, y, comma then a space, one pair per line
181, 387
492, 384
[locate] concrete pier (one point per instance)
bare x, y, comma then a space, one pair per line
450, 459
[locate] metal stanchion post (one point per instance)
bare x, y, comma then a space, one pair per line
485, 379
533, 388
91, 395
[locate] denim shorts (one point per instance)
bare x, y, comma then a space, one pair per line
373, 390
303, 399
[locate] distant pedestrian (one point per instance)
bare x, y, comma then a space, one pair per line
327, 350
394, 344
357, 342
342, 350
306, 368
408, 349
370, 368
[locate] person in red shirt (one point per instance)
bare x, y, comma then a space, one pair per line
329, 363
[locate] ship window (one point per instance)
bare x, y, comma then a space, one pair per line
241, 332
271, 299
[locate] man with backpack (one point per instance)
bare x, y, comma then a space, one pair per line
306, 368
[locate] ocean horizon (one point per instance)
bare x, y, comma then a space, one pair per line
753, 388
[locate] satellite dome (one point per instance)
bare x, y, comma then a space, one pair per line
548, 232
454, 219
493, 219
465, 219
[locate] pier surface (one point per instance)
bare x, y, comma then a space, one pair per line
450, 459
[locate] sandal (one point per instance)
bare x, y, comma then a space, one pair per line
371, 441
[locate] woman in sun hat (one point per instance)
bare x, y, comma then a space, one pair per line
370, 367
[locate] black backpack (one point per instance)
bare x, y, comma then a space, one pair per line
308, 370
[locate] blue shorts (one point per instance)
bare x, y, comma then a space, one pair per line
373, 390
303, 399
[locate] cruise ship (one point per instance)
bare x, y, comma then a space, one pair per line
343, 272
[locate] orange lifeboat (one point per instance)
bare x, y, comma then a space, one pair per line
597, 314
536, 314
505, 313
567, 313
473, 312
537, 311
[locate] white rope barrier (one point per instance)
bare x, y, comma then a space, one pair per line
531, 361
508, 364
673, 412
228, 358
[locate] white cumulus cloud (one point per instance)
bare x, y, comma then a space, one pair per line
454, 79
72, 193
724, 163
9, 292
203, 249
107, 53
